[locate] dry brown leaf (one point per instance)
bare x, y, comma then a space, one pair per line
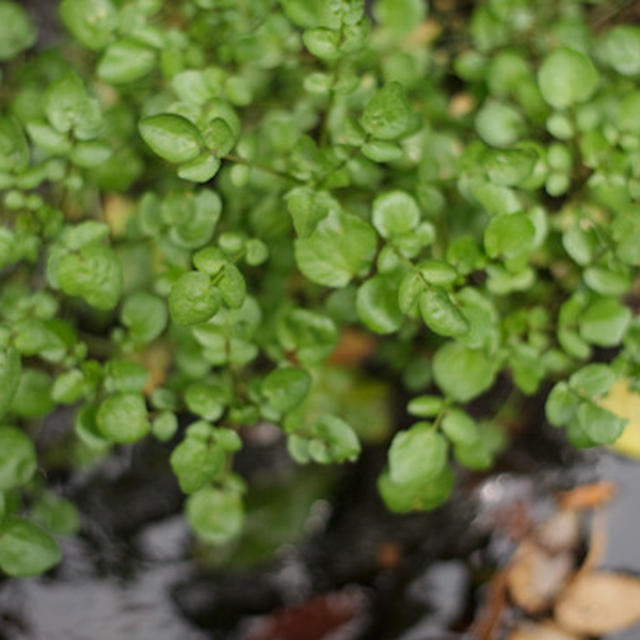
536, 576
461, 104
156, 359
560, 532
598, 603
427, 31
353, 348
542, 631
117, 211
587, 496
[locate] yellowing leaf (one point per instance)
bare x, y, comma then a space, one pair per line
625, 403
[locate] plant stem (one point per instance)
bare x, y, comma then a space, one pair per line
262, 167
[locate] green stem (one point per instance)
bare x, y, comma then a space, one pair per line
262, 167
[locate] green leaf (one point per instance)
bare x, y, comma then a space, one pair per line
285, 388
561, 405
14, 149
32, 398
69, 108
310, 335
90, 153
395, 213
567, 77
463, 373
124, 375
437, 272
499, 125
90, 21
193, 220
25, 549
622, 49
381, 151
401, 16
87, 232
69, 387
164, 426
440, 314
417, 455
232, 286
122, 418
87, 430
145, 315
604, 322
10, 369
510, 167
580, 244
17, 458
215, 515
206, 401
460, 428
388, 115
510, 235
608, 282
35, 336
17, 32
196, 463
200, 169
593, 380
125, 61
57, 515
171, 136
377, 304
256, 252
410, 496
474, 456
527, 367
425, 406
342, 246
602, 426
94, 274
334, 440
210, 260
411, 288
322, 43
193, 299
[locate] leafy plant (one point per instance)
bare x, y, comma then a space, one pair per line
202, 199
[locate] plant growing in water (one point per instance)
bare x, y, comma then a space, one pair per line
202, 198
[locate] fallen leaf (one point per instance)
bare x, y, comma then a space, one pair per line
117, 212
598, 603
536, 576
587, 496
353, 348
560, 532
461, 104
338, 615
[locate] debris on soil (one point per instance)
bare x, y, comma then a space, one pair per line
599, 602
339, 616
536, 576
543, 631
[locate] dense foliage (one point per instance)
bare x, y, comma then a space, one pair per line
202, 198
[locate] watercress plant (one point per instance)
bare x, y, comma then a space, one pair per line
204, 201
